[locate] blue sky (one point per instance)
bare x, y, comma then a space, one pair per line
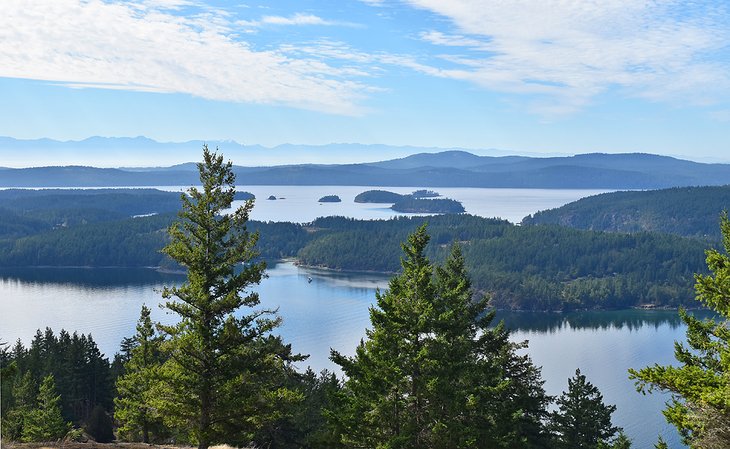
528, 76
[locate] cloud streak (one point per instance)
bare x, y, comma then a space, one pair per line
568, 52
145, 46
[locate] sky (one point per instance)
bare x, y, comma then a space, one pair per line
525, 76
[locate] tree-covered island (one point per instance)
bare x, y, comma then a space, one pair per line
329, 199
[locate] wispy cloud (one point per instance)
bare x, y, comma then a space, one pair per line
148, 45
571, 51
297, 19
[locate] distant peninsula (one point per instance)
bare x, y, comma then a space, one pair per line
271, 197
330, 199
428, 206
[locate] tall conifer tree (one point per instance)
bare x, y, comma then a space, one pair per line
44, 422
134, 408
218, 379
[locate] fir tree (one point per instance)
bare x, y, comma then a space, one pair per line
432, 373
700, 385
23, 402
219, 381
44, 422
582, 420
134, 404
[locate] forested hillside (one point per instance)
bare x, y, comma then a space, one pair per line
526, 268
541, 267
686, 211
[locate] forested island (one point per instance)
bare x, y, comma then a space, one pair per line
330, 199
378, 196
536, 267
423, 193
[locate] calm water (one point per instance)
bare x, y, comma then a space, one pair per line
332, 311
299, 203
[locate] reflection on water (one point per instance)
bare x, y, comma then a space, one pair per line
630, 320
323, 309
91, 277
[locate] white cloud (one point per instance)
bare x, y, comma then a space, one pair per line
145, 46
296, 19
572, 50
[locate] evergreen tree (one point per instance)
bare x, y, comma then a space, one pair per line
134, 405
582, 420
432, 372
44, 422
100, 425
218, 383
700, 385
22, 403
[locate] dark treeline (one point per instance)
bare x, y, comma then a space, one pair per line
428, 205
87, 383
523, 267
83, 377
685, 211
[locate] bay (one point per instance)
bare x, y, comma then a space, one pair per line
299, 204
331, 311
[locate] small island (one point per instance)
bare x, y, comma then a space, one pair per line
245, 196
425, 194
378, 196
271, 197
330, 199
428, 206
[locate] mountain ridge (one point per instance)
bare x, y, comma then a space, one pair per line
452, 168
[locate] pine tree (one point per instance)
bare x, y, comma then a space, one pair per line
134, 404
23, 402
432, 373
44, 422
700, 385
219, 381
384, 397
582, 420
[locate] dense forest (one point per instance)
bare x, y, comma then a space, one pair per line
542, 267
428, 206
686, 211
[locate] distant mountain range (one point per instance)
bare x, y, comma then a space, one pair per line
118, 151
443, 169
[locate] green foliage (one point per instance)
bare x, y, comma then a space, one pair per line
81, 373
428, 206
20, 404
138, 419
700, 385
44, 422
223, 378
582, 420
685, 211
525, 267
100, 425
432, 372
